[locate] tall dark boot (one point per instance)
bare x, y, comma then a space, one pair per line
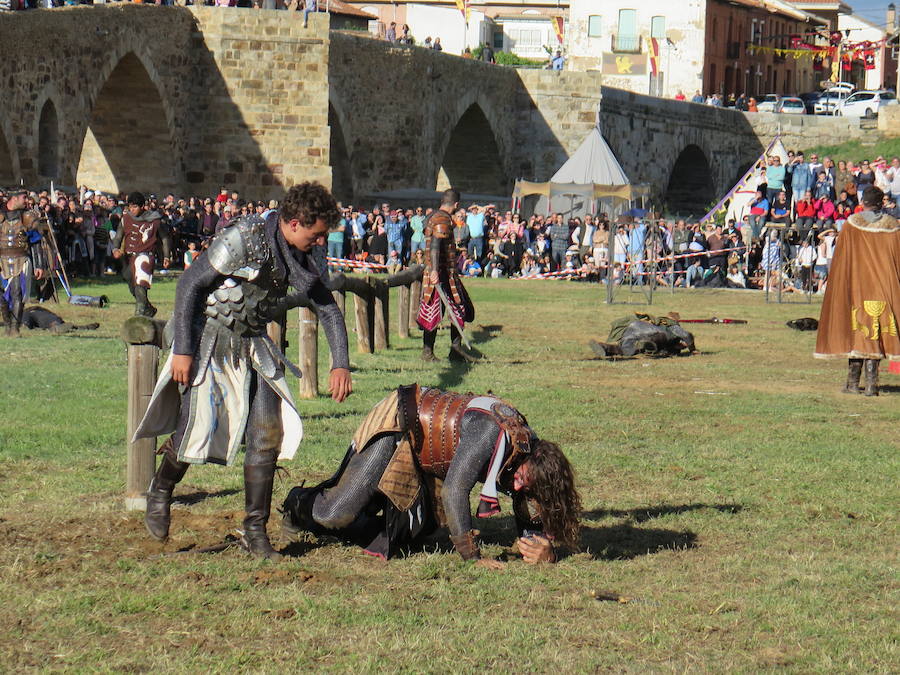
854, 370
871, 368
159, 496
428, 339
258, 482
7, 317
457, 352
142, 305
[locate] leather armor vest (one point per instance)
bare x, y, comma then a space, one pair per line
140, 235
13, 235
246, 299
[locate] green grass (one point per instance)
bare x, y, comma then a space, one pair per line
746, 509
855, 151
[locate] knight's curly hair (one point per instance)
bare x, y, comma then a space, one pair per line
307, 202
552, 486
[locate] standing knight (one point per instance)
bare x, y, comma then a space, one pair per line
137, 238
231, 375
440, 270
23, 250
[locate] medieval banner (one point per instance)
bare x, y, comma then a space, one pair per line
624, 64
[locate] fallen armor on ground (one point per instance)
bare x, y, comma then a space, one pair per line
645, 334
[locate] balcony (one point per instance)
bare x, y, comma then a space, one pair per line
626, 44
734, 50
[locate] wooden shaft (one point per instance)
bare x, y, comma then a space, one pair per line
143, 360
403, 312
363, 339
415, 299
381, 308
309, 353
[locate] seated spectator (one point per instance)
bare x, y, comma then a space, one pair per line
394, 264
806, 213
735, 277
780, 212
759, 211
693, 274
471, 267
825, 213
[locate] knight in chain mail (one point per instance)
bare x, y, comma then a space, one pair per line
224, 380
24, 251
412, 464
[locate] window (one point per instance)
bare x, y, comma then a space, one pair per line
595, 25
525, 38
627, 23
498, 40
658, 27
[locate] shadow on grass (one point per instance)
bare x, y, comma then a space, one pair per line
202, 495
625, 542
641, 515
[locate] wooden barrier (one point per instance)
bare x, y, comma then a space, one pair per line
309, 353
144, 338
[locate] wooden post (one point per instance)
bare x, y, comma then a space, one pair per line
363, 335
415, 299
381, 298
143, 337
341, 299
403, 312
309, 353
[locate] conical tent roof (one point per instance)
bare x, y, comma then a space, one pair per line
593, 162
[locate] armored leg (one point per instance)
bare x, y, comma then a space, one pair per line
854, 370
264, 434
871, 367
6, 315
16, 306
604, 349
159, 494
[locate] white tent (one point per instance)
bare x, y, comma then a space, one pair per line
592, 172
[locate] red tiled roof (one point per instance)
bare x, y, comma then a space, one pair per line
341, 7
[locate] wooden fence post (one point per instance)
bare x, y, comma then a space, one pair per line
143, 337
363, 335
403, 312
341, 299
309, 353
381, 301
415, 299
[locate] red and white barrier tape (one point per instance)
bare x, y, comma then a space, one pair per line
343, 262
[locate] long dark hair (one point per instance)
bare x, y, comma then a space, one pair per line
552, 487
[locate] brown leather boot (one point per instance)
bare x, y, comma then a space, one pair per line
258, 482
854, 370
159, 497
871, 367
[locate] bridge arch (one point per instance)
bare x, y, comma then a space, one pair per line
128, 143
10, 171
472, 156
342, 185
48, 138
691, 185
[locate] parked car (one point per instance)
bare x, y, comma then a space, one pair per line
810, 100
866, 103
791, 105
768, 103
830, 100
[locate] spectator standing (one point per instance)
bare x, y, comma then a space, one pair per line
405, 37
558, 62
309, 7
680, 96
475, 223
893, 174
775, 177
436, 46
336, 235
801, 177
697, 97
391, 33
417, 237
559, 241
487, 53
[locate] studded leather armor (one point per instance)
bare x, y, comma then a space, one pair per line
14, 242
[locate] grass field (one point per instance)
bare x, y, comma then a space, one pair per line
856, 151
741, 510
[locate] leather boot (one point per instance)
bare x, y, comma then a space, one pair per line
428, 354
159, 496
142, 305
604, 349
871, 367
457, 353
854, 370
258, 482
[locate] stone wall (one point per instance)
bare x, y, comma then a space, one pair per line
889, 121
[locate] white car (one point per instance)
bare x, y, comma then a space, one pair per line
830, 100
865, 103
791, 105
768, 103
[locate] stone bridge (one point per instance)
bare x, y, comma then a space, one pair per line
188, 99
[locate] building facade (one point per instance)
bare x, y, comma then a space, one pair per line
661, 48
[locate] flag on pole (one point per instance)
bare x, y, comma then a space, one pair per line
558, 27
464, 9
654, 57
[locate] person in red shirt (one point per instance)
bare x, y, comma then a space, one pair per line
806, 214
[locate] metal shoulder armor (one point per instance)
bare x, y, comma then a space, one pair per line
240, 250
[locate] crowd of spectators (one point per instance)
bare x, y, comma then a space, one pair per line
786, 237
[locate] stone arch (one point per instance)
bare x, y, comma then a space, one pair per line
472, 158
339, 157
48, 136
128, 142
9, 160
691, 186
